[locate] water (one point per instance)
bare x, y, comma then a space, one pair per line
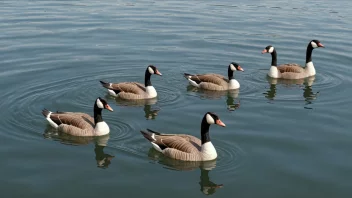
283, 138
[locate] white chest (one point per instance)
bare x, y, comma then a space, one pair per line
310, 69
234, 84
208, 151
151, 92
101, 128
273, 72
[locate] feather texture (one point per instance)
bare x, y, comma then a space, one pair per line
77, 124
127, 90
210, 81
134, 90
80, 124
293, 70
178, 146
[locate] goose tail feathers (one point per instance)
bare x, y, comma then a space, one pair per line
149, 135
46, 113
187, 75
106, 84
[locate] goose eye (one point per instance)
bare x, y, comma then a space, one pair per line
108, 107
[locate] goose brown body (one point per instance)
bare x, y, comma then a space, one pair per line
292, 71
127, 90
211, 81
80, 124
186, 147
134, 90
76, 124
215, 82
179, 146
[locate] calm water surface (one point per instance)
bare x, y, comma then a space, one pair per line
283, 138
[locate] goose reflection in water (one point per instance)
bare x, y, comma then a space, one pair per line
308, 93
103, 159
231, 96
206, 186
150, 113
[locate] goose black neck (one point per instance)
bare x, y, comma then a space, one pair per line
97, 115
204, 131
230, 73
309, 53
273, 58
147, 79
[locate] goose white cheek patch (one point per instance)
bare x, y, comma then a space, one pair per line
314, 45
233, 68
271, 49
210, 119
100, 104
150, 70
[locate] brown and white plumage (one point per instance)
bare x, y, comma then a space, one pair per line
80, 124
134, 90
186, 147
215, 82
292, 70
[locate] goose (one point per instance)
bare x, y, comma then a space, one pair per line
134, 90
292, 70
186, 147
80, 124
216, 82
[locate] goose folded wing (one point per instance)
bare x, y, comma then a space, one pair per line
130, 87
76, 131
80, 120
179, 142
294, 68
209, 78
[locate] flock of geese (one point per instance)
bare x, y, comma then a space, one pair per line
177, 146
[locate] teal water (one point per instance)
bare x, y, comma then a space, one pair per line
282, 139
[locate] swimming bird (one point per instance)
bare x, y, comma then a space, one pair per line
80, 124
186, 147
292, 70
134, 90
216, 82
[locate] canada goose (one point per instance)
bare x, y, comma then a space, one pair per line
216, 82
292, 70
80, 124
186, 147
134, 90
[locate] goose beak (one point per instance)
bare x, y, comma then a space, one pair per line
240, 68
264, 51
321, 45
220, 123
158, 73
108, 107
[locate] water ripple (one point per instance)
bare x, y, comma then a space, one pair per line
230, 156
